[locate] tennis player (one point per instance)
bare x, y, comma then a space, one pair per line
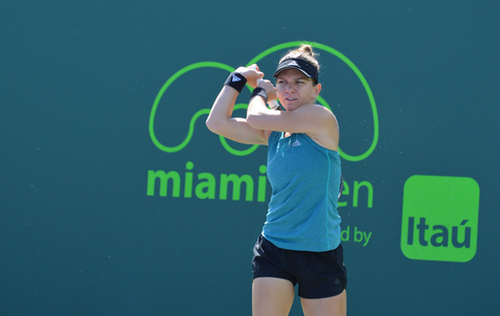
300, 240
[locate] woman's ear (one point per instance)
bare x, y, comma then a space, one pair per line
317, 90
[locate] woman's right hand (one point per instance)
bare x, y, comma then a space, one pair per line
252, 74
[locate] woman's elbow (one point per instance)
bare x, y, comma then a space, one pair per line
212, 125
251, 119
216, 126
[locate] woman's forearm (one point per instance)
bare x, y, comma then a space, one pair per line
222, 109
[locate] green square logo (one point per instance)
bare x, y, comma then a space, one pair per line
440, 218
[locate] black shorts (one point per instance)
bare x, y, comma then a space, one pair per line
318, 274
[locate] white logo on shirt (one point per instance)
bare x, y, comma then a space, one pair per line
296, 143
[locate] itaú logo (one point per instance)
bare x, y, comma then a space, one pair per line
211, 64
440, 218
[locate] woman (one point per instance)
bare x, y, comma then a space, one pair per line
300, 241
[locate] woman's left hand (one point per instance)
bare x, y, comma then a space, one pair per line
267, 85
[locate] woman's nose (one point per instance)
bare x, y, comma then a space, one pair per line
289, 87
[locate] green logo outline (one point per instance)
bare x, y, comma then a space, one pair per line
251, 149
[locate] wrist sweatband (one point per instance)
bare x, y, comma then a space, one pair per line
236, 81
259, 91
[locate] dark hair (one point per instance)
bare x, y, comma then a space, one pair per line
304, 52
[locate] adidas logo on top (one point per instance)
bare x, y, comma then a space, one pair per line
293, 63
236, 78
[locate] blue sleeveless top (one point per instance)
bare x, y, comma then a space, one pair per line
305, 180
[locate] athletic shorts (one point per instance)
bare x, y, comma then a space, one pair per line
318, 274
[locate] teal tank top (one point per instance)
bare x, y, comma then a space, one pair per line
305, 179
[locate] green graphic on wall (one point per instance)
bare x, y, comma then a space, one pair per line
440, 218
251, 149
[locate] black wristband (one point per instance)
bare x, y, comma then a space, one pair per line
259, 91
236, 81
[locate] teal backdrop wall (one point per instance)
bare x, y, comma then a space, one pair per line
115, 199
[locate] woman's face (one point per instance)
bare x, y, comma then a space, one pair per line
295, 89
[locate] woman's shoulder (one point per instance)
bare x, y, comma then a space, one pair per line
327, 135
